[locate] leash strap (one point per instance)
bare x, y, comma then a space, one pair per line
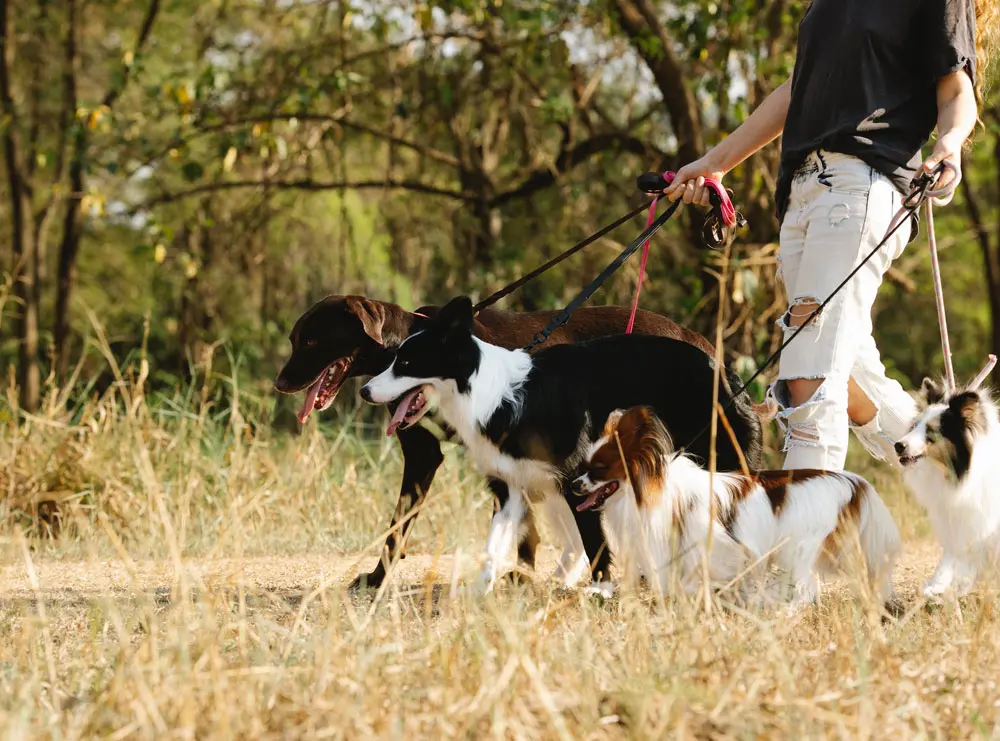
510, 288
563, 316
667, 177
949, 371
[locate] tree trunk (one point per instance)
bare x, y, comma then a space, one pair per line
640, 23
989, 251
68, 251
22, 242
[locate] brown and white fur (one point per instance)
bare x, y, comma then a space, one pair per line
950, 458
656, 513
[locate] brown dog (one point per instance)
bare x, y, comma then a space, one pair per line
344, 337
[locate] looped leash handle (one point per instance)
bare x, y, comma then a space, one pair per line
720, 222
922, 185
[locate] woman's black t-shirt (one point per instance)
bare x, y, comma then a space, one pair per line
865, 79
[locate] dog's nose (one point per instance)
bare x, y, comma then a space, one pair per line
280, 385
366, 394
900, 448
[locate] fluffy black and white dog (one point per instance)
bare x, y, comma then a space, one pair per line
528, 420
949, 460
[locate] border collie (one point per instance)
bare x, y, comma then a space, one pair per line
528, 419
949, 458
656, 514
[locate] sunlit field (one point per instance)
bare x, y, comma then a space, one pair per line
173, 569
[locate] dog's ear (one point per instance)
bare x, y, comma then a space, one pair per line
611, 424
456, 314
968, 405
370, 313
647, 454
932, 391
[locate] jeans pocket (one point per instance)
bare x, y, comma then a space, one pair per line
847, 177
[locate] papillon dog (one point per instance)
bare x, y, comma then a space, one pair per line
658, 507
951, 463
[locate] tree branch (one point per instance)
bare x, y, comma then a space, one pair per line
144, 32
639, 21
569, 159
307, 184
337, 118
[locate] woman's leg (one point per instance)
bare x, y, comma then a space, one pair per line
881, 411
848, 212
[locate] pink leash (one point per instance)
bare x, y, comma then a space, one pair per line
949, 371
726, 210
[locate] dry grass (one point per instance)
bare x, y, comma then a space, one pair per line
196, 590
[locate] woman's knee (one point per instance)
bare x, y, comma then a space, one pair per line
801, 390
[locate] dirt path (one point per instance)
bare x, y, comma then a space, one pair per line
301, 573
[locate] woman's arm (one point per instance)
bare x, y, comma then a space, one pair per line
763, 127
957, 114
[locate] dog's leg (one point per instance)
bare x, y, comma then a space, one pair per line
572, 561
596, 548
527, 543
965, 574
943, 577
803, 571
421, 458
504, 531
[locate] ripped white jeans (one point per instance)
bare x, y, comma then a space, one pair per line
839, 209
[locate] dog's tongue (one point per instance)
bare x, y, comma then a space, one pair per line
589, 501
400, 414
310, 402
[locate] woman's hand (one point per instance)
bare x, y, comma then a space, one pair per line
689, 182
948, 149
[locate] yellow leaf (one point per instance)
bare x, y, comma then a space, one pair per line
230, 160
347, 18
183, 96
160, 253
191, 270
128, 58
703, 54
174, 153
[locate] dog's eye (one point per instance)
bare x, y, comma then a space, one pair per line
402, 364
311, 343
932, 435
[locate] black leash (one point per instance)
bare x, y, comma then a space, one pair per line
509, 289
563, 316
920, 187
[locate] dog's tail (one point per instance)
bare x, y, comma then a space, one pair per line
880, 542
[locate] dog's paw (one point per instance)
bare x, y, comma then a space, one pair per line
602, 589
933, 590
487, 580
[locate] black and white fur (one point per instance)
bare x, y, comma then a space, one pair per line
951, 463
527, 419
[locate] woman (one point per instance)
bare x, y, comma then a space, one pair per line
872, 78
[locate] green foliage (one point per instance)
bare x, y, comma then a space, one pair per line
260, 156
